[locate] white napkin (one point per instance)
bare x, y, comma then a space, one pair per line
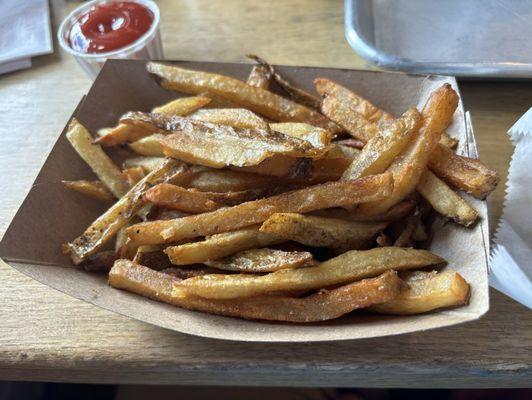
511, 258
24, 32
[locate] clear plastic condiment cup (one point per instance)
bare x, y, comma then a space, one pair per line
148, 46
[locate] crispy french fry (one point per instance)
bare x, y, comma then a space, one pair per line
321, 306
256, 99
427, 291
182, 106
333, 165
322, 232
448, 141
133, 175
178, 198
410, 165
334, 194
220, 245
348, 267
444, 200
148, 164
260, 77
95, 189
104, 168
189, 271
237, 117
262, 260
397, 212
316, 136
281, 166
468, 174
108, 224
211, 180
380, 150
149, 146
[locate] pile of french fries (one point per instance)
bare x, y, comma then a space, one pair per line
240, 202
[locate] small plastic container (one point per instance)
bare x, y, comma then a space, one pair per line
147, 47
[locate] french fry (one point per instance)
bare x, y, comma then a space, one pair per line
404, 239
316, 136
410, 165
189, 271
348, 267
120, 213
297, 94
178, 198
212, 180
220, 245
262, 260
281, 166
322, 232
397, 212
104, 168
380, 150
237, 117
444, 200
427, 291
95, 189
133, 175
333, 165
334, 194
148, 164
256, 99
468, 174
448, 141
126, 131
259, 77
149, 146
321, 306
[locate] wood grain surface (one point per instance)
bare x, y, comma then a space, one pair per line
46, 335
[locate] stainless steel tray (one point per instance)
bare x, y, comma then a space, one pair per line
474, 38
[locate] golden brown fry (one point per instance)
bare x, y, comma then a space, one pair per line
104, 168
333, 165
448, 141
220, 245
316, 136
444, 200
95, 189
397, 212
237, 117
262, 260
133, 175
297, 94
149, 146
256, 99
410, 165
189, 271
427, 291
178, 198
468, 174
380, 150
148, 164
348, 267
182, 106
322, 232
260, 77
108, 224
324, 305
334, 194
211, 180
123, 133
281, 166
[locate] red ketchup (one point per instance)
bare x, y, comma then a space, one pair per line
109, 26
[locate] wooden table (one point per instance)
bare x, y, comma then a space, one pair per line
46, 335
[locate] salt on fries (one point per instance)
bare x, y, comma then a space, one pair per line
262, 210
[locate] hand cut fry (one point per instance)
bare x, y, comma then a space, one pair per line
333, 165
259, 77
281, 166
427, 291
262, 260
182, 106
448, 141
321, 306
149, 146
95, 189
322, 232
297, 94
133, 175
256, 99
468, 174
188, 272
178, 198
348, 267
334, 194
236, 117
212, 180
444, 200
108, 224
104, 168
148, 164
410, 165
220, 245
316, 136
395, 213
380, 150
